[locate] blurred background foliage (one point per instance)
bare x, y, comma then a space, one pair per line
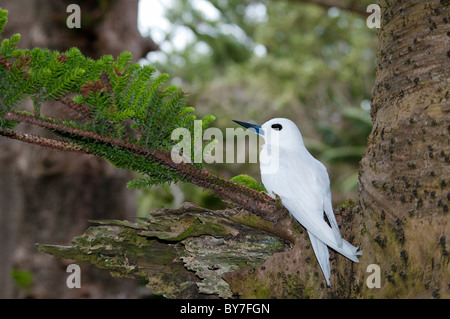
256, 60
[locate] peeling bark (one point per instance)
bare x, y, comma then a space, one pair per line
180, 253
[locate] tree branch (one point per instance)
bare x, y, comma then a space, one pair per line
204, 245
41, 141
256, 202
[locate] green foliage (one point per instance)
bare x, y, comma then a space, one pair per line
249, 182
22, 278
118, 103
3, 19
349, 203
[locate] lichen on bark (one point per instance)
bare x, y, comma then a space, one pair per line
178, 253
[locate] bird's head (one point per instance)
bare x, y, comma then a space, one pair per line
277, 131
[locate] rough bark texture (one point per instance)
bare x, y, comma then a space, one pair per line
404, 183
180, 253
49, 196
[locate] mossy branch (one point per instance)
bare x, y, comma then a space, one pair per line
204, 245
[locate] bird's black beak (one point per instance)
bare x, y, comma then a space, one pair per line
254, 127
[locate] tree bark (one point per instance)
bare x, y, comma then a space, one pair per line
49, 196
405, 172
178, 253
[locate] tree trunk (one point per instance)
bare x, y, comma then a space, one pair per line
405, 172
48, 196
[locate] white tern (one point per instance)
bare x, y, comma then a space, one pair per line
302, 183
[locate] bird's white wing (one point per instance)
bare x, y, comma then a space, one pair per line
328, 208
303, 186
302, 177
298, 176
324, 182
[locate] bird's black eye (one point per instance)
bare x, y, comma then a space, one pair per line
277, 127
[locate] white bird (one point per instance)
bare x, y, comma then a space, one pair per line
302, 183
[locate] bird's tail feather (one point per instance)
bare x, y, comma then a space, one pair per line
348, 250
322, 255
322, 231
